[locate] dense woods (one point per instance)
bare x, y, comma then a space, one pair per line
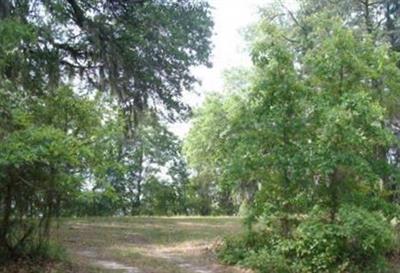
304, 145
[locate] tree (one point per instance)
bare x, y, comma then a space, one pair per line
127, 166
377, 20
210, 148
141, 51
42, 156
351, 109
316, 126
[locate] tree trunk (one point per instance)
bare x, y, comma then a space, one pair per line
138, 203
5, 223
335, 180
5, 8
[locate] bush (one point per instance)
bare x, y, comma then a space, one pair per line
49, 251
266, 261
34, 251
369, 237
317, 247
357, 242
238, 248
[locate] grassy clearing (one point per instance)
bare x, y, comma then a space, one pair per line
149, 244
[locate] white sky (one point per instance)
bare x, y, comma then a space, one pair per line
230, 18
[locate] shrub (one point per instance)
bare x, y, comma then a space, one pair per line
237, 248
368, 238
317, 246
34, 251
266, 261
357, 242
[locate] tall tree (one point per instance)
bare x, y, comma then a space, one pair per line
141, 51
317, 118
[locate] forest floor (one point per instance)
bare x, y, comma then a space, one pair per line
145, 244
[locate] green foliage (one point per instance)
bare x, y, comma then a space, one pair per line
37, 154
222, 161
102, 202
152, 158
160, 199
309, 131
357, 242
264, 262
112, 48
368, 236
89, 150
48, 250
36, 253
241, 246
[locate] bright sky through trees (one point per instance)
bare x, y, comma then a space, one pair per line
231, 17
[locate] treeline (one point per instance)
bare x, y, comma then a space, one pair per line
87, 89
306, 142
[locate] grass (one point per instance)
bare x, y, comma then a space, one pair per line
150, 244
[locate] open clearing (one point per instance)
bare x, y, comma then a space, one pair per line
146, 244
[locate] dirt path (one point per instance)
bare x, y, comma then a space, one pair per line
107, 265
188, 262
182, 263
